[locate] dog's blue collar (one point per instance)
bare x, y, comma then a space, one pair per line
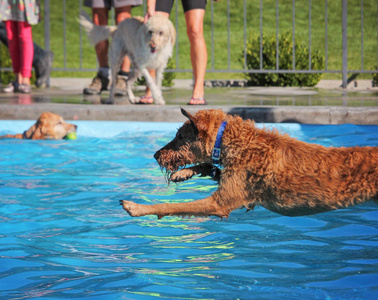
216, 150
24, 135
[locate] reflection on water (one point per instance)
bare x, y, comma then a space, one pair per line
24, 99
248, 96
64, 235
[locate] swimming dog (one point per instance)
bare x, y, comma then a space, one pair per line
261, 167
48, 126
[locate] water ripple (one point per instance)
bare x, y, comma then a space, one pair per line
64, 235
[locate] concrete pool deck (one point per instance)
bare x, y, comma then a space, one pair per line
325, 104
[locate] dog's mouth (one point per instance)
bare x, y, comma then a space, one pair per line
153, 49
71, 133
172, 161
171, 168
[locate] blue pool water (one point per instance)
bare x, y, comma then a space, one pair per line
64, 235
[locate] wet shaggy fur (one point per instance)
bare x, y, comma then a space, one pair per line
262, 167
149, 46
49, 126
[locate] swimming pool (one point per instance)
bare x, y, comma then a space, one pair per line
64, 235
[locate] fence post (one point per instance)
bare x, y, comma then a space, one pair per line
47, 31
345, 44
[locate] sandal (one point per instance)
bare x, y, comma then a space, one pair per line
197, 99
145, 101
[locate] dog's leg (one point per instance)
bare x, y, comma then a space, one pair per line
114, 70
134, 74
202, 170
204, 207
159, 77
156, 92
117, 53
12, 136
231, 194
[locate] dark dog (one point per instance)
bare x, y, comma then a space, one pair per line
262, 167
49, 126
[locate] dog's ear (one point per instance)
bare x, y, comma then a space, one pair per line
37, 133
172, 32
39, 129
31, 133
191, 119
188, 115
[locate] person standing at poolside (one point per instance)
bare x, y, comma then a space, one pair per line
194, 14
100, 16
18, 16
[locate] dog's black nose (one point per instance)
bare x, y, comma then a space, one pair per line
157, 155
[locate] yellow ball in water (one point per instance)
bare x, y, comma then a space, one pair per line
71, 136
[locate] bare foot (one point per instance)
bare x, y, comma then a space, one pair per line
197, 101
145, 100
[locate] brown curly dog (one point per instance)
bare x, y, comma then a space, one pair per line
262, 167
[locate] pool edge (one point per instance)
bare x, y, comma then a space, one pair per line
330, 115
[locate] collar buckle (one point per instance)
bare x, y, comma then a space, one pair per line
216, 156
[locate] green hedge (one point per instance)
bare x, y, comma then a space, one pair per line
5, 62
285, 49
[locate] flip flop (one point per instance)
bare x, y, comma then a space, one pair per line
197, 99
145, 103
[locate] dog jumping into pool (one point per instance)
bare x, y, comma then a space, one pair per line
149, 46
261, 167
49, 126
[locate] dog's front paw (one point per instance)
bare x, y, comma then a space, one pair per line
131, 208
181, 175
134, 99
109, 101
159, 101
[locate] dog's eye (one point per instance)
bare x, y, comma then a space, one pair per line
150, 32
179, 136
160, 32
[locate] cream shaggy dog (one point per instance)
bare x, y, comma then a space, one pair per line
149, 46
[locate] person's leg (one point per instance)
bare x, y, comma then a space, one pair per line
42, 60
120, 89
122, 13
198, 52
14, 46
25, 39
100, 18
147, 98
163, 8
101, 81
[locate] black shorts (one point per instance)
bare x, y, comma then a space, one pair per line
166, 5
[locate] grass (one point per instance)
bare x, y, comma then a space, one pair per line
221, 59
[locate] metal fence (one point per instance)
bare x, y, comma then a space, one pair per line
344, 70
